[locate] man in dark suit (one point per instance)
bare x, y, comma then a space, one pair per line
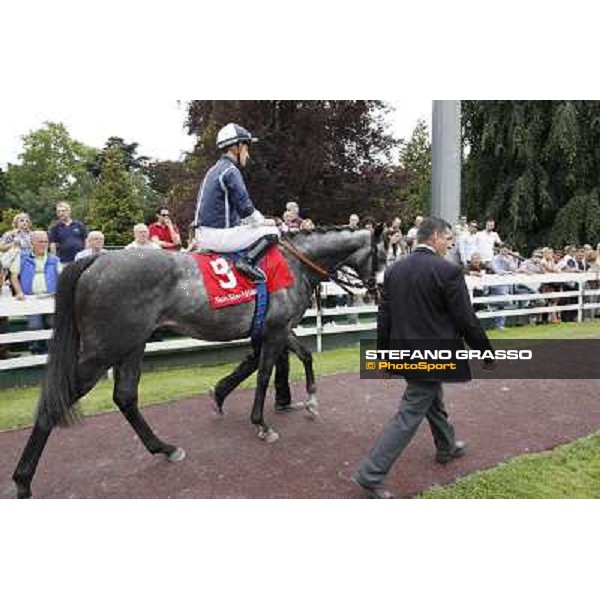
424, 299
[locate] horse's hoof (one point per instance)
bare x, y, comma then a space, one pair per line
177, 455
266, 434
23, 492
217, 407
312, 408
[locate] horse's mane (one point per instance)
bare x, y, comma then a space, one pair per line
319, 229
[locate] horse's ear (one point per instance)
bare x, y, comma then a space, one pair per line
378, 230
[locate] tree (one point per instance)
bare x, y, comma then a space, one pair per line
415, 159
6, 221
117, 206
5, 191
332, 156
139, 169
53, 167
131, 161
534, 166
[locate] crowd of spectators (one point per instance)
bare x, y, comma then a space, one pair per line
32, 259
482, 252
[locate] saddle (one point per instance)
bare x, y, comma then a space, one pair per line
227, 284
246, 260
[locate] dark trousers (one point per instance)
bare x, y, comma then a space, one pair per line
283, 394
421, 400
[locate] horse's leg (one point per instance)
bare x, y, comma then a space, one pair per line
228, 383
88, 374
127, 374
29, 459
270, 351
305, 357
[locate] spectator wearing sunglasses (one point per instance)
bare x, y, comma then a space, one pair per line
164, 232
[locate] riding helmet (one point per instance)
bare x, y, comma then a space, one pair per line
233, 134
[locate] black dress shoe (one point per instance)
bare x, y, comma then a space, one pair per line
378, 492
445, 457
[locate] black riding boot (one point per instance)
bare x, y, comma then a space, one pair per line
246, 264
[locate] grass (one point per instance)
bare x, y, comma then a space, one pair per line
559, 331
17, 405
569, 471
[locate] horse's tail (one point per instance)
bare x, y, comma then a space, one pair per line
59, 390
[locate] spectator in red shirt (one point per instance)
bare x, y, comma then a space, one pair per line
164, 232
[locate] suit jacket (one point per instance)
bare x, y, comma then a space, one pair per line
424, 300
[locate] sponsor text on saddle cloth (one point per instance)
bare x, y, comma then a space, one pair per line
226, 287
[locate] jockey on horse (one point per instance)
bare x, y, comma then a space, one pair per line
226, 219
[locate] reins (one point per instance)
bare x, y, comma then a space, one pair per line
303, 258
349, 279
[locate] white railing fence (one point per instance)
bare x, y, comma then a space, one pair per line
581, 291
584, 300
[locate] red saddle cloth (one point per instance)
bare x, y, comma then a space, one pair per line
226, 287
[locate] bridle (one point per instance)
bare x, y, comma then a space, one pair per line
340, 274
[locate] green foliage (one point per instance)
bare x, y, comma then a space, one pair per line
577, 220
6, 223
534, 166
415, 159
569, 471
117, 205
50, 159
5, 190
131, 161
17, 406
139, 171
53, 167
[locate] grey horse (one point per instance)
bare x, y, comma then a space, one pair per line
108, 306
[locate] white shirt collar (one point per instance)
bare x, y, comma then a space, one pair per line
426, 246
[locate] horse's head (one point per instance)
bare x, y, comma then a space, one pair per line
325, 252
369, 260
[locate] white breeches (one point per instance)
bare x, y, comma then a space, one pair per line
232, 239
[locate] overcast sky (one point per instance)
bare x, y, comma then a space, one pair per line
156, 124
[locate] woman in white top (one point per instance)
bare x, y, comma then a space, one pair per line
392, 243
16, 240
